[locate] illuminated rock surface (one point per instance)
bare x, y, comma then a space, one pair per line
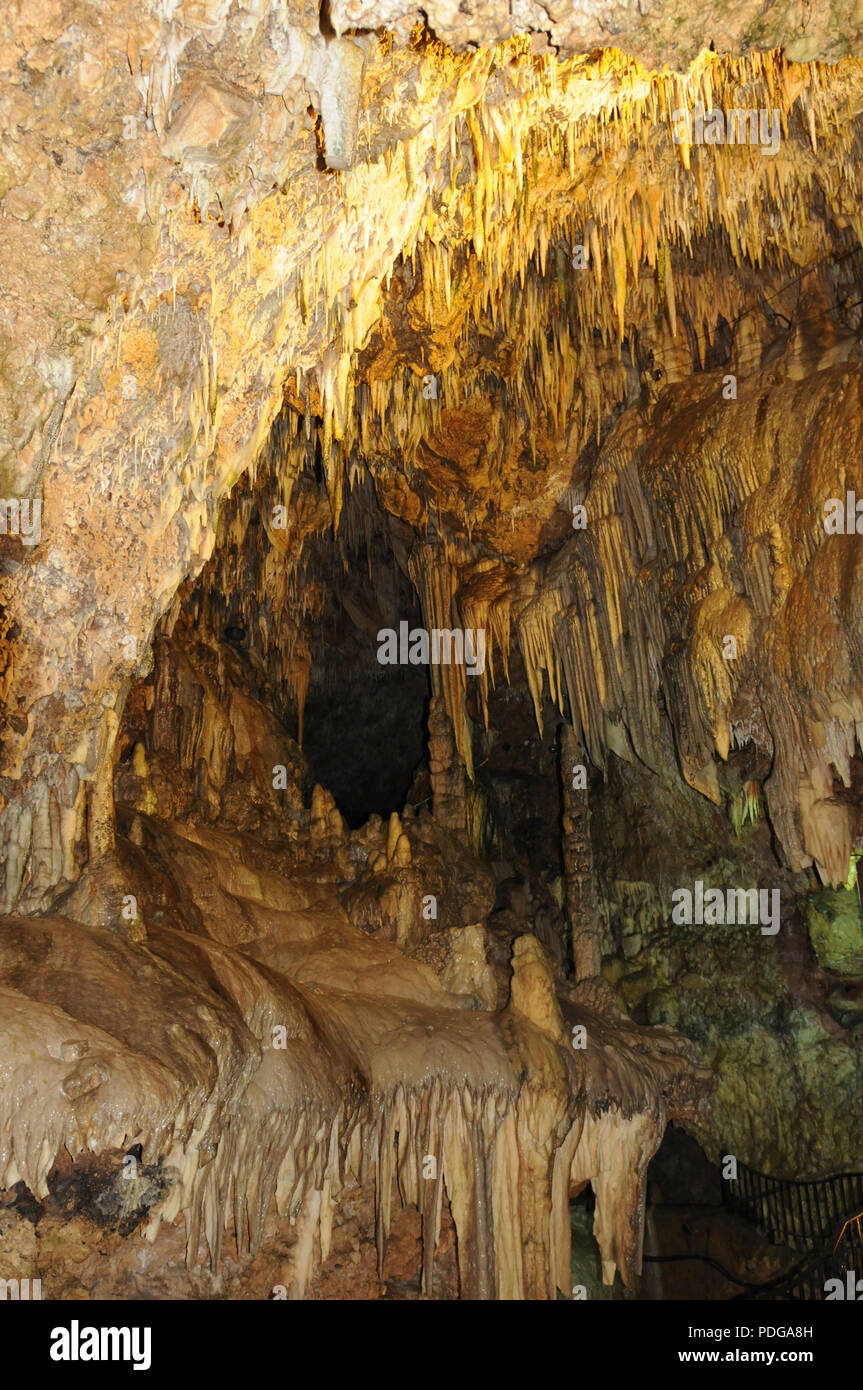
308, 334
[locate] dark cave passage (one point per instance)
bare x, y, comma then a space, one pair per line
364, 723
364, 734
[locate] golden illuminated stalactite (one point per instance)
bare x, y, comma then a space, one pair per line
628, 226
480, 193
435, 579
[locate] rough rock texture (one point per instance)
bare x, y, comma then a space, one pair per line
779, 1027
281, 304
660, 31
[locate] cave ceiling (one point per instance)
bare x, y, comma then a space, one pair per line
520, 293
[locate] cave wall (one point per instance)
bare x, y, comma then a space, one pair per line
780, 1031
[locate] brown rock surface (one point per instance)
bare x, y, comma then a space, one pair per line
314, 336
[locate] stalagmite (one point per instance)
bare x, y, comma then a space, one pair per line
394, 835
532, 990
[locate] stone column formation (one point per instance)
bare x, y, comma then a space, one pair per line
449, 799
578, 863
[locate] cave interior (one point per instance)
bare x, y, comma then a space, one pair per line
431, 648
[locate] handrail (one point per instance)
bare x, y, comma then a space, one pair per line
790, 1279
794, 1211
822, 1216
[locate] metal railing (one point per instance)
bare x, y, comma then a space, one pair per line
822, 1218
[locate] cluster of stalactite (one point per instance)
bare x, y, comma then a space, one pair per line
477, 178
703, 521
494, 1112
499, 355
533, 195
707, 585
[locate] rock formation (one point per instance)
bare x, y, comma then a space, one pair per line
429, 454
